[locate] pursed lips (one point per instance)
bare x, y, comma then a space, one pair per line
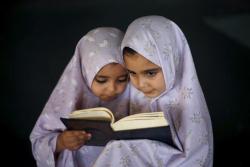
147, 92
109, 97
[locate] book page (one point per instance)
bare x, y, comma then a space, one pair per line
140, 121
98, 113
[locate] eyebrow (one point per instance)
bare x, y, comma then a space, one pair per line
124, 75
152, 69
147, 70
103, 76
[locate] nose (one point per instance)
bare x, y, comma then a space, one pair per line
111, 88
140, 82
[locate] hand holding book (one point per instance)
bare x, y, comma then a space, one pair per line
71, 140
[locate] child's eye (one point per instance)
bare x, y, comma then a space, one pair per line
132, 74
151, 73
123, 79
101, 81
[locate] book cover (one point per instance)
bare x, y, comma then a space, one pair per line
102, 132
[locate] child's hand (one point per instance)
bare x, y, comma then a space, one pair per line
71, 140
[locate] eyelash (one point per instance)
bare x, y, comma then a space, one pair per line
122, 80
147, 74
119, 80
151, 73
101, 82
131, 73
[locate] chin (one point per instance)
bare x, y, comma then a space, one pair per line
151, 95
107, 98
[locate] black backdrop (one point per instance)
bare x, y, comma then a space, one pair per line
38, 39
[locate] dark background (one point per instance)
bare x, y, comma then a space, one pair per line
39, 37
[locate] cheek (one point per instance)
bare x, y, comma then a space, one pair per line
97, 89
161, 88
121, 87
160, 84
134, 82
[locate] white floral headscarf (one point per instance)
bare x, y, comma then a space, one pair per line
96, 49
162, 42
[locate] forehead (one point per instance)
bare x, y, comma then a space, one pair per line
113, 69
138, 62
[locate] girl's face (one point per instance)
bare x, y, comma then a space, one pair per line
110, 81
146, 76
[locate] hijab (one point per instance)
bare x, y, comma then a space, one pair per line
162, 42
96, 49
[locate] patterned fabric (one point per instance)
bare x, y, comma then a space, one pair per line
162, 42
97, 48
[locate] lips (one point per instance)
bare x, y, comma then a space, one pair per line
108, 98
147, 92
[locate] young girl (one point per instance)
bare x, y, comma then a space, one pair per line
163, 74
94, 77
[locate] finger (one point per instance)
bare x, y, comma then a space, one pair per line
73, 133
77, 144
88, 136
70, 141
78, 139
74, 147
77, 133
84, 135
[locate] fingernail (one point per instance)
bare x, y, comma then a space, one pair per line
89, 136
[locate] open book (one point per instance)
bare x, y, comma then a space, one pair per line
101, 123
